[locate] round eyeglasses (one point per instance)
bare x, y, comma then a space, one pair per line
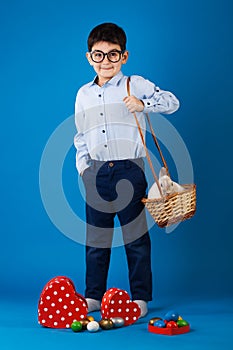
113, 56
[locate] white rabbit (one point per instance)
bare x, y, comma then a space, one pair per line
167, 186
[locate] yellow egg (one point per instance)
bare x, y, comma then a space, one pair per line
180, 318
90, 318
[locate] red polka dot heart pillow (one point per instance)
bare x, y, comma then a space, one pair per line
116, 303
60, 305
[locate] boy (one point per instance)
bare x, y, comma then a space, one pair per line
110, 160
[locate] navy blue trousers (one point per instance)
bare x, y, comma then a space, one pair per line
116, 188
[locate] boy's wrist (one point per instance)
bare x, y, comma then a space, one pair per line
143, 105
147, 105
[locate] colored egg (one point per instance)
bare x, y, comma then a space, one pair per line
171, 316
171, 324
93, 326
76, 326
182, 323
118, 322
106, 324
153, 320
160, 324
84, 323
180, 318
90, 318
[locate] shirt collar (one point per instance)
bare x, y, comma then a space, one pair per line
113, 81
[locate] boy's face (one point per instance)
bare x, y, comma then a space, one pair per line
106, 69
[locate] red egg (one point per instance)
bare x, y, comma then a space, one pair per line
171, 324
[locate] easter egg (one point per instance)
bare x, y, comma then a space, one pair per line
118, 322
90, 318
106, 324
93, 326
76, 326
84, 323
171, 316
160, 324
153, 320
182, 323
171, 324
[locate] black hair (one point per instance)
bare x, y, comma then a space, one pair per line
107, 32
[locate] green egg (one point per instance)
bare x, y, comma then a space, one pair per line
76, 326
182, 323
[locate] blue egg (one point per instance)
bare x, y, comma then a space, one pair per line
160, 324
171, 315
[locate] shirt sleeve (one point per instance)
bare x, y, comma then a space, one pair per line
82, 154
155, 99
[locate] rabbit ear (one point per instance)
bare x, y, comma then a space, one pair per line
162, 172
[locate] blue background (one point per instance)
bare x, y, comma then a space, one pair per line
183, 46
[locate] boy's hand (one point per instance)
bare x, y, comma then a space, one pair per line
133, 104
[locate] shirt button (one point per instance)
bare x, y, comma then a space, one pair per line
100, 95
101, 113
148, 103
103, 131
111, 164
105, 145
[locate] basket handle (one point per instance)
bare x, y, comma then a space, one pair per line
157, 144
144, 143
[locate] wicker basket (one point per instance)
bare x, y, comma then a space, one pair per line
173, 208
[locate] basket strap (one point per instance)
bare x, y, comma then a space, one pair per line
144, 143
157, 144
